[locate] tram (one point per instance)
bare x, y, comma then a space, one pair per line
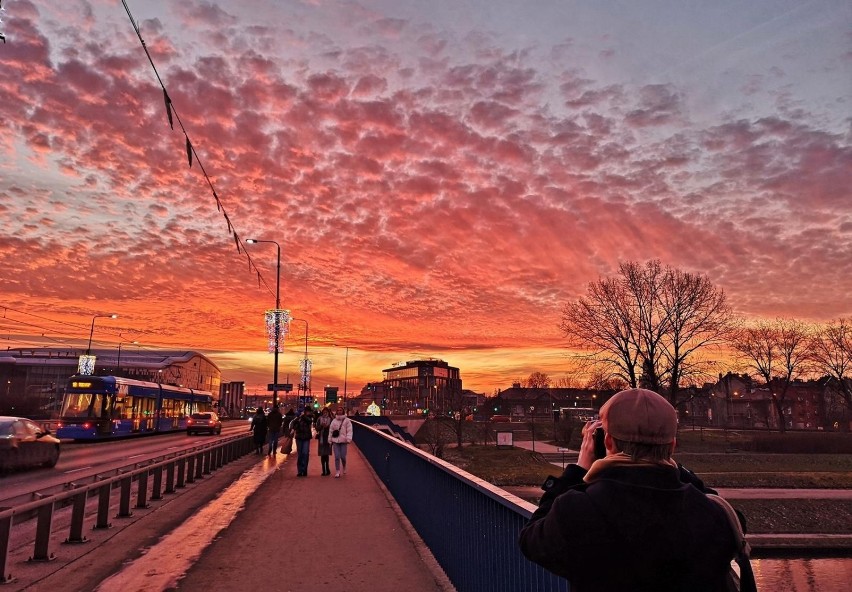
105, 407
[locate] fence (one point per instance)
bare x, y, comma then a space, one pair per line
470, 526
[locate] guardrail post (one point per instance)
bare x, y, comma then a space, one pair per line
42, 540
124, 498
5, 533
142, 490
78, 514
103, 506
208, 461
198, 465
157, 487
181, 473
170, 478
190, 468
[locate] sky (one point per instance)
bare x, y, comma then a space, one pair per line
442, 177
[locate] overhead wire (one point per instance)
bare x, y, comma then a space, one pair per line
172, 114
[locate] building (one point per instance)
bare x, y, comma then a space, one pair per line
415, 386
32, 380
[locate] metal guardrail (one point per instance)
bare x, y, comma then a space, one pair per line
177, 471
470, 526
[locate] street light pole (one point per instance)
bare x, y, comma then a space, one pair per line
92, 331
118, 361
277, 317
304, 384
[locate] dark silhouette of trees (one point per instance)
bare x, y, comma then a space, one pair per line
648, 323
778, 351
831, 352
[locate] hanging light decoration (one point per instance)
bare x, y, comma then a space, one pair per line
305, 369
277, 320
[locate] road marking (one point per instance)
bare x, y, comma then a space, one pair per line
75, 470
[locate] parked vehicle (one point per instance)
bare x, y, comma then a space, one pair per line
500, 418
207, 422
24, 443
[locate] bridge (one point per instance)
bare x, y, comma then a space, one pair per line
400, 519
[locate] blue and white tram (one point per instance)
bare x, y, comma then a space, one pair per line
103, 407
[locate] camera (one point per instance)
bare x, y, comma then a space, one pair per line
600, 447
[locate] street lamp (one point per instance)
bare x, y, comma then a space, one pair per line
305, 370
118, 361
252, 241
92, 331
345, 372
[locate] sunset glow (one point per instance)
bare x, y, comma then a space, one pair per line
442, 177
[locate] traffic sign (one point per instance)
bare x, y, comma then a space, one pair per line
286, 387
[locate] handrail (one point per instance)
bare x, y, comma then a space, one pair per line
464, 520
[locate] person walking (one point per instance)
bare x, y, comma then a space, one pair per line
287, 432
258, 427
341, 436
633, 520
322, 426
273, 423
302, 431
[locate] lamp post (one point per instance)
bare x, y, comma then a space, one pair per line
304, 385
118, 361
345, 373
277, 317
92, 331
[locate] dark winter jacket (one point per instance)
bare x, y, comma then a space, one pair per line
302, 426
274, 420
637, 528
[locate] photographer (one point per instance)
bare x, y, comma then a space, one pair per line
633, 520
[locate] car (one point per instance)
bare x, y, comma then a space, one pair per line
204, 421
24, 444
500, 418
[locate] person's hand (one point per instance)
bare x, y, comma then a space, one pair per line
587, 446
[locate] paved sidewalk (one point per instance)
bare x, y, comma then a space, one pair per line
317, 533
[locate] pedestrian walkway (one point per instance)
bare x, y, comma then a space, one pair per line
318, 533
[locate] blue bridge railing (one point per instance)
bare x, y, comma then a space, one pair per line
470, 526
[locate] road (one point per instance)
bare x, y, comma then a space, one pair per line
80, 462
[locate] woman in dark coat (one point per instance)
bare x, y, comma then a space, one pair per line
258, 426
324, 446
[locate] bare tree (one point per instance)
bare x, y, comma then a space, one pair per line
778, 351
831, 353
538, 380
648, 324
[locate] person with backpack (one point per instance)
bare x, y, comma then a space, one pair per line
302, 428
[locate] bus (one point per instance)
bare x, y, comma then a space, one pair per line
104, 407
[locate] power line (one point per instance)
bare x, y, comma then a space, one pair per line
190, 153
